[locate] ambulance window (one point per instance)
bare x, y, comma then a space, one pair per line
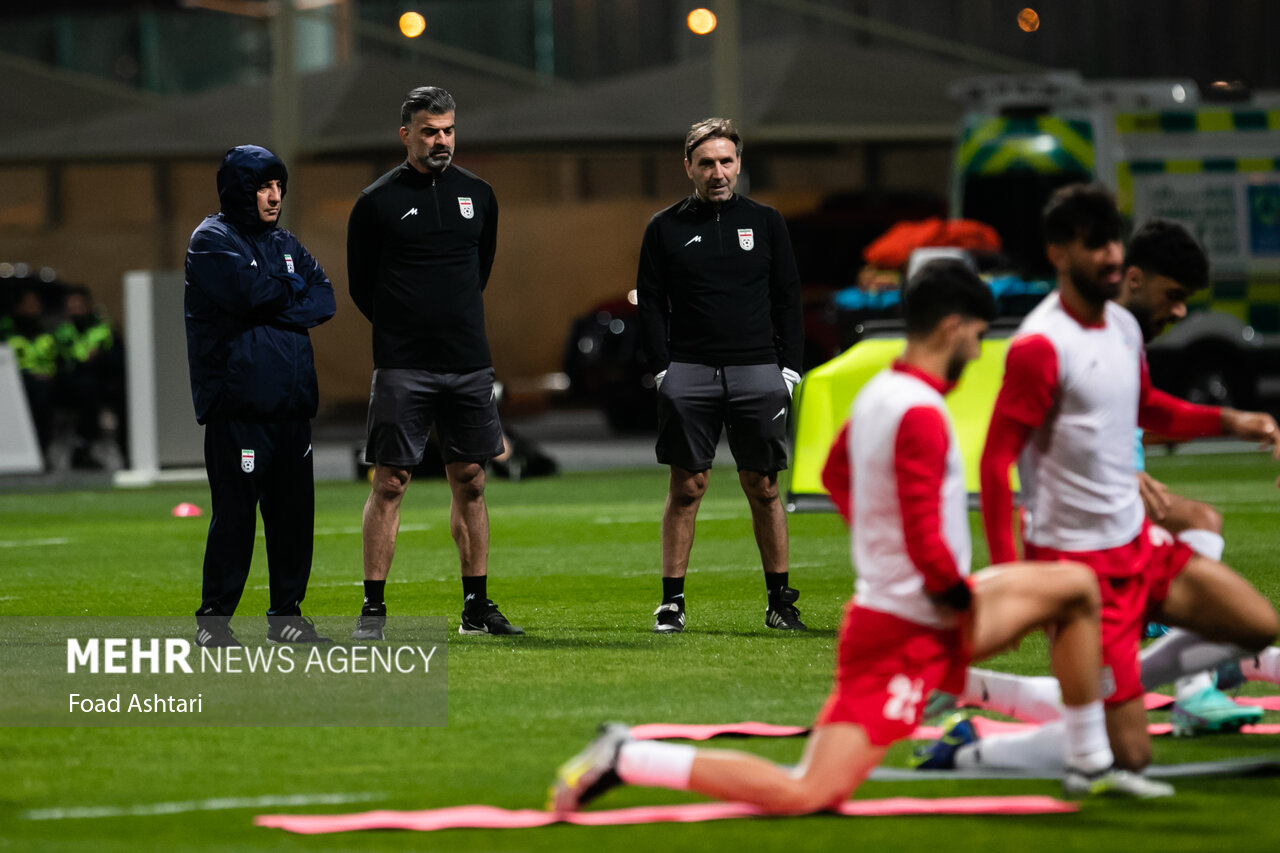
1011, 203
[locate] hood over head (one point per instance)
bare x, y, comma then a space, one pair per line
243, 170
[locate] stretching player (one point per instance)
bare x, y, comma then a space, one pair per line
916, 620
1163, 266
1075, 389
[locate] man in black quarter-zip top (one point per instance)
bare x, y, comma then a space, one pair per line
420, 245
721, 322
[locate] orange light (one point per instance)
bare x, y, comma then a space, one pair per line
412, 24
1029, 20
702, 21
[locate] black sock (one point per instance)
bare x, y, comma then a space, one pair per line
775, 582
672, 590
373, 591
473, 590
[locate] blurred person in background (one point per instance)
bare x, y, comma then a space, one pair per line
90, 375
36, 352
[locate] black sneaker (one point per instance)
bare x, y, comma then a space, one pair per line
782, 612
294, 628
670, 618
486, 619
369, 625
214, 632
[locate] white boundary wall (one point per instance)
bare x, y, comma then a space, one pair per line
165, 442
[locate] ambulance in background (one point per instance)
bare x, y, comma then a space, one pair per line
1210, 160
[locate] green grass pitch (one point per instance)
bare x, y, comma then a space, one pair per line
575, 560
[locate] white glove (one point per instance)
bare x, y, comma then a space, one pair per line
657, 379
792, 379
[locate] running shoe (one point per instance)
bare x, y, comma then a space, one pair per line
1209, 711
782, 613
1112, 782
485, 618
589, 773
957, 731
669, 618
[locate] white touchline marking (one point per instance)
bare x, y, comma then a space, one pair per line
32, 543
218, 804
650, 517
354, 529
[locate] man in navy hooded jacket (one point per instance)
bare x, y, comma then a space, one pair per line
252, 292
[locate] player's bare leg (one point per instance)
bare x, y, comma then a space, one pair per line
469, 524
1220, 606
1186, 514
768, 518
1014, 599
469, 516
837, 758
381, 520
769, 523
379, 526
684, 496
1127, 731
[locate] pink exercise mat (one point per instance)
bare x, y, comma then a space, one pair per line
492, 817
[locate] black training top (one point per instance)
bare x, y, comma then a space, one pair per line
719, 286
419, 251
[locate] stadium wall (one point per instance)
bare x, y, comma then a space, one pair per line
569, 238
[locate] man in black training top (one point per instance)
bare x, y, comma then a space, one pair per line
252, 292
420, 245
720, 318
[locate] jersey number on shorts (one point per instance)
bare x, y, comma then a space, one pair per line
905, 696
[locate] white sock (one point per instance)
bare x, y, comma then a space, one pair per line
1033, 698
1087, 746
1206, 543
1265, 666
1190, 685
1180, 653
654, 764
1042, 748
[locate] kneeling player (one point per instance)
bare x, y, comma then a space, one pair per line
916, 620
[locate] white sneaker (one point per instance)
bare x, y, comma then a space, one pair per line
1113, 782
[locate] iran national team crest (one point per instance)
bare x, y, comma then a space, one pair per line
464, 205
288, 263
746, 239
246, 461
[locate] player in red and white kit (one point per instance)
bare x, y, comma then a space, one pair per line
917, 619
1075, 388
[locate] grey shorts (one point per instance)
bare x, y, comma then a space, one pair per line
696, 401
404, 403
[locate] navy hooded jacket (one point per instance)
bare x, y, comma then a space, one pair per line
252, 292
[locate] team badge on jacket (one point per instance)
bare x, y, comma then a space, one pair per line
746, 239
246, 461
288, 263
464, 205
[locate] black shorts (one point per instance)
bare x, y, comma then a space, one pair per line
696, 401
404, 403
